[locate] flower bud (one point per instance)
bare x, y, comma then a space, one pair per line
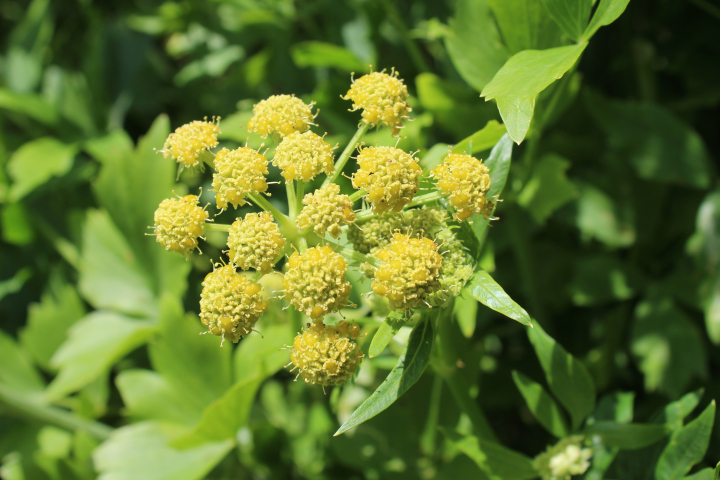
303, 156
255, 242
326, 210
239, 172
390, 176
382, 98
378, 232
563, 460
467, 181
179, 222
281, 114
189, 141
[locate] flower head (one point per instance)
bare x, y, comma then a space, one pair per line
239, 172
189, 141
409, 272
382, 98
389, 175
255, 242
230, 304
563, 460
327, 355
326, 210
303, 156
378, 232
281, 114
467, 181
316, 282
179, 222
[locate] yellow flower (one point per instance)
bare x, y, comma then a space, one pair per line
189, 141
179, 222
303, 156
467, 181
382, 98
255, 242
281, 114
326, 210
239, 172
390, 176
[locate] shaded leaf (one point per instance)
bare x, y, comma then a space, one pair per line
388, 329
687, 446
322, 54
487, 291
17, 372
542, 405
675, 412
602, 278
607, 12
571, 15
626, 436
465, 310
704, 474
262, 355
525, 25
481, 140
34, 106
36, 162
548, 188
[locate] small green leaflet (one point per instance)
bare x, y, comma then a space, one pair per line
409, 368
386, 332
488, 292
627, 436
542, 405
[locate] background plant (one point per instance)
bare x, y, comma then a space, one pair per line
607, 237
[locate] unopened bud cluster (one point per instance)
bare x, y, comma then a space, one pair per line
303, 156
239, 172
327, 355
316, 282
189, 141
467, 181
326, 210
280, 114
563, 460
255, 242
382, 98
179, 222
230, 304
389, 175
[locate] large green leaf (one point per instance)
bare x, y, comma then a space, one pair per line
409, 368
571, 15
522, 78
542, 405
474, 44
626, 436
548, 188
607, 12
141, 451
262, 355
17, 372
487, 291
496, 461
525, 25
36, 162
687, 446
322, 54
567, 378
95, 343
390, 326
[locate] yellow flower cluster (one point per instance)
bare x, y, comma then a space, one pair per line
409, 271
303, 156
467, 181
327, 355
255, 242
189, 141
281, 114
179, 222
389, 175
383, 99
315, 283
326, 210
230, 304
239, 172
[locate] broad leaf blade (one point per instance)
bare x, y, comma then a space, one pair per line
542, 405
687, 446
626, 436
525, 25
388, 329
571, 15
487, 291
409, 368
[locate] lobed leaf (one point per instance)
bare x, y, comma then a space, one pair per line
487, 291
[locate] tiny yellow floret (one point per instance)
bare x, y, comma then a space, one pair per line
389, 175
255, 242
382, 98
189, 141
467, 181
303, 156
230, 303
281, 114
326, 210
316, 282
239, 172
327, 355
179, 222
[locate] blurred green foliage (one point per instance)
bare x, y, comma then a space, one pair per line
608, 236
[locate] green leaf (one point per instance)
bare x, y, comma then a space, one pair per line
49, 321
704, 474
522, 78
487, 291
716, 472
687, 446
567, 378
15, 283
542, 405
525, 25
222, 419
262, 355
95, 343
322, 54
388, 329
598, 217
548, 188
499, 164
675, 412
496, 461
481, 140
661, 147
194, 365
147, 395
36, 162
16, 372
600, 279
606, 13
626, 436
32, 105
465, 310
142, 451
409, 368
17, 227
571, 15
111, 276
474, 44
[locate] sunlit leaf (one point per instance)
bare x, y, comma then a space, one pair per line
525, 25
390, 326
16, 371
322, 54
571, 15
487, 291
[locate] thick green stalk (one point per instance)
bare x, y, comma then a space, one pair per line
345, 155
280, 217
425, 199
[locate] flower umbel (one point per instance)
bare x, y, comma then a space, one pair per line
179, 222
326, 210
303, 156
467, 181
389, 175
327, 355
190, 140
230, 304
239, 172
255, 242
281, 114
563, 460
382, 98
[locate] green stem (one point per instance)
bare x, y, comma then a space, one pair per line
345, 155
207, 157
357, 195
425, 199
348, 253
292, 200
59, 417
280, 217
218, 227
300, 196
302, 244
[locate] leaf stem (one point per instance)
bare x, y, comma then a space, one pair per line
425, 199
292, 200
345, 155
357, 195
280, 217
218, 227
